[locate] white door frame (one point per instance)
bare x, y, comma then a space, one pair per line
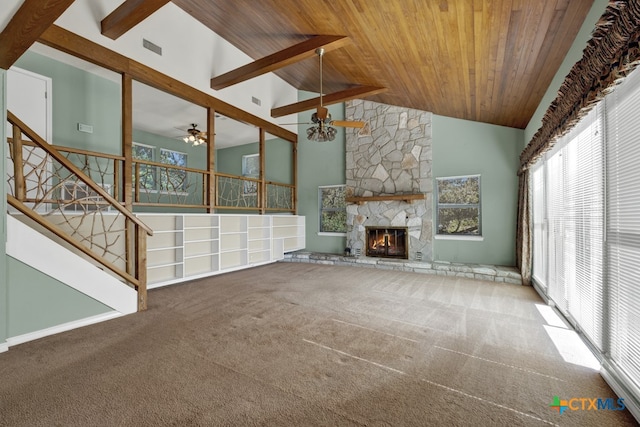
49, 104
23, 114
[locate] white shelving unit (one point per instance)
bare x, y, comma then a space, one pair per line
233, 238
187, 246
201, 244
290, 229
259, 238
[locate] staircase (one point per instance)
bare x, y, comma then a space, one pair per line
77, 232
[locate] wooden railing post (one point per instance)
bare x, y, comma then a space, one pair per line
262, 185
136, 182
18, 168
127, 188
127, 140
294, 178
210, 185
116, 180
141, 268
217, 195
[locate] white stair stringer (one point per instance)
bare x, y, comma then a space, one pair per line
40, 252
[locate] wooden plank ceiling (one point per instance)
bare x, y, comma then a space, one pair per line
484, 60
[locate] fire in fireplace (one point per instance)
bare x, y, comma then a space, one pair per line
387, 242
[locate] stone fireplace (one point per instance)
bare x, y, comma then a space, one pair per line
387, 242
388, 176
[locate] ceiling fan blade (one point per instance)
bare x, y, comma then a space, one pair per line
322, 113
348, 124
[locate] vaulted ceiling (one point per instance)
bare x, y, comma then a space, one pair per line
484, 60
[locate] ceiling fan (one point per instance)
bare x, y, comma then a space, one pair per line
322, 129
195, 136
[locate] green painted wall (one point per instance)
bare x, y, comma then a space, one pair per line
80, 97
29, 299
462, 147
4, 280
573, 56
278, 164
278, 159
196, 158
319, 163
38, 301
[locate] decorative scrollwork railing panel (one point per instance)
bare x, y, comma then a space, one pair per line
47, 187
65, 201
236, 192
160, 184
279, 196
103, 169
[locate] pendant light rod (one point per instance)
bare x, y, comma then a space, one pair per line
320, 52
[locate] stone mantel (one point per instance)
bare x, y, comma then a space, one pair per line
407, 198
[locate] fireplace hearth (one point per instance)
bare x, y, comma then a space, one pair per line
387, 242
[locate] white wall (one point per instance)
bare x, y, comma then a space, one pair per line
191, 53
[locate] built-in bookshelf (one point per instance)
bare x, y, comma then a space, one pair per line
188, 246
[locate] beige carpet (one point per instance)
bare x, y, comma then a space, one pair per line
292, 344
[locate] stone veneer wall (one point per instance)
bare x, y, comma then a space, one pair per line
390, 156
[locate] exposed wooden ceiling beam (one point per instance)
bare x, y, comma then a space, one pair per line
128, 15
280, 59
73, 44
30, 21
332, 98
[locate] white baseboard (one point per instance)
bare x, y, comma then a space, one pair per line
610, 376
21, 339
4, 347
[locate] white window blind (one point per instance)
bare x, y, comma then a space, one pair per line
623, 227
555, 219
584, 216
539, 227
574, 190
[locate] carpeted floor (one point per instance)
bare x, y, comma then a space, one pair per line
293, 344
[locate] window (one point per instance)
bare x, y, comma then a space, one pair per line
458, 206
147, 172
250, 169
586, 206
333, 209
623, 229
173, 180
251, 165
539, 226
153, 178
568, 189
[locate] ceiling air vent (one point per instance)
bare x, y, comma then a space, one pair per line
256, 100
152, 47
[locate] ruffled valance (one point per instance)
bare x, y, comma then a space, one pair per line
611, 54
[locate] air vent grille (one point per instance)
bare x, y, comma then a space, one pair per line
152, 47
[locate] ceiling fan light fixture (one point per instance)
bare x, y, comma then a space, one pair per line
321, 133
194, 136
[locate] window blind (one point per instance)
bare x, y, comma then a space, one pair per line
574, 190
587, 190
554, 184
584, 230
539, 228
623, 228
